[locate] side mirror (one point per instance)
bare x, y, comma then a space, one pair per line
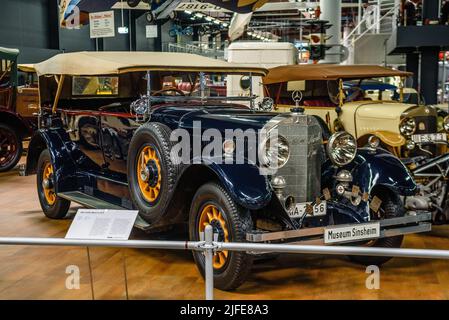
266, 104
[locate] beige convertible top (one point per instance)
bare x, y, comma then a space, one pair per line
26, 67
113, 62
329, 72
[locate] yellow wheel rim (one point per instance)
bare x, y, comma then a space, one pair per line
148, 165
49, 192
213, 216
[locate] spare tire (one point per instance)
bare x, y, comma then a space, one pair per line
151, 172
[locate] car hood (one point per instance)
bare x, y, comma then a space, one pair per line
381, 110
218, 117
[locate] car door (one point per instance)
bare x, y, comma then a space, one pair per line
84, 130
117, 129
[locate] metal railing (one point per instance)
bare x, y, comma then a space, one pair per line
391, 13
209, 246
199, 48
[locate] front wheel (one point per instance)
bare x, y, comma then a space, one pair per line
54, 207
390, 207
10, 147
213, 205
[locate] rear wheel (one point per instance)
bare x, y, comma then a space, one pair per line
391, 207
54, 207
213, 205
10, 147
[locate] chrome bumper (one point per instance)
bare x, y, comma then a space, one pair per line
413, 222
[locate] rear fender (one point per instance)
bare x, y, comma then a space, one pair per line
61, 157
16, 121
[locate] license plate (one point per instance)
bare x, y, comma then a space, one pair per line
300, 209
429, 137
351, 233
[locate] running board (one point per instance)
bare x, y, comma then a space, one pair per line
95, 203
88, 201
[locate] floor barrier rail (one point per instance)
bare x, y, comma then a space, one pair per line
209, 247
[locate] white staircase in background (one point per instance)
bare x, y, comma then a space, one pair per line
196, 47
384, 7
377, 23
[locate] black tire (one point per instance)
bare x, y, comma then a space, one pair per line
391, 207
10, 147
237, 265
60, 207
156, 136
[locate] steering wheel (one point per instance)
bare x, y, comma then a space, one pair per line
357, 92
170, 89
333, 91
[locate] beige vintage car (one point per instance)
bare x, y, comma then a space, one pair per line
339, 96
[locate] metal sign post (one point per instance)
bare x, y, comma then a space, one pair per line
208, 267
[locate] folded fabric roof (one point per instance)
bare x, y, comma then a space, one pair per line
328, 72
26, 67
7, 53
115, 62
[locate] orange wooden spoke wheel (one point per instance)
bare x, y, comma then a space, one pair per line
47, 178
149, 174
213, 216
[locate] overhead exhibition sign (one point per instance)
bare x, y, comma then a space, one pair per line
102, 24
239, 6
199, 7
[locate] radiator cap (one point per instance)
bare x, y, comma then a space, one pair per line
297, 110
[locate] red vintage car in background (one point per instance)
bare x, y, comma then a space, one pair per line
19, 104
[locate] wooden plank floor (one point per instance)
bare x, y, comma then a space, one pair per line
39, 272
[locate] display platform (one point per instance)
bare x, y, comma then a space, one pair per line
40, 272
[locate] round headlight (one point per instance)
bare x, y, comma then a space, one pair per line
407, 126
341, 148
266, 104
446, 123
410, 145
276, 152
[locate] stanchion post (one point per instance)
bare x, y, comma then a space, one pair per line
208, 267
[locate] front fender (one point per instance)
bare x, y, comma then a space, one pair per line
244, 182
372, 168
61, 157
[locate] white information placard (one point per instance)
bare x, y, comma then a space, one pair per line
151, 31
103, 224
102, 24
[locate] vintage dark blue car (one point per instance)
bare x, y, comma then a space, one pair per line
135, 131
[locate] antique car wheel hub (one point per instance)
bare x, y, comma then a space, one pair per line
48, 185
210, 214
148, 174
152, 173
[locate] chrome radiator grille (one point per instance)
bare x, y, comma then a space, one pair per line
302, 172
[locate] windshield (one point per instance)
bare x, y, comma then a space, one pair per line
326, 93
380, 89
202, 85
162, 86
